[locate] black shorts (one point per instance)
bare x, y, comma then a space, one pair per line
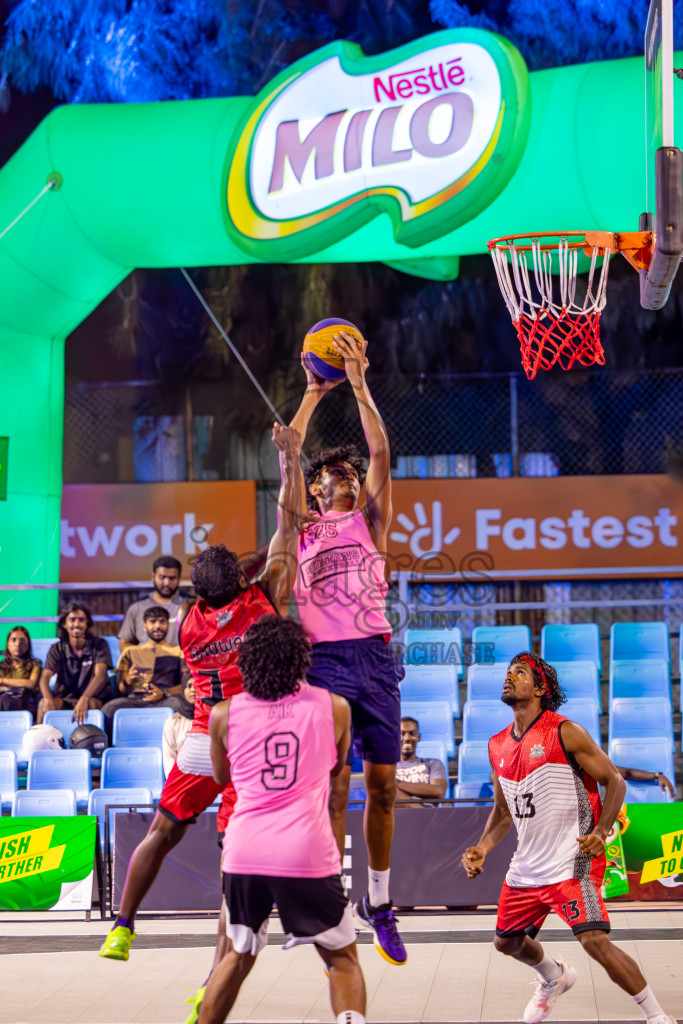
366, 672
310, 909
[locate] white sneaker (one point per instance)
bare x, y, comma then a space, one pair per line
547, 993
662, 1018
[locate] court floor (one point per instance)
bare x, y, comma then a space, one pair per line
51, 974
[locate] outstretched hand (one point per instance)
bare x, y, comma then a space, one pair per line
286, 439
473, 861
355, 359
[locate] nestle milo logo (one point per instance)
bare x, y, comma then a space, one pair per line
429, 133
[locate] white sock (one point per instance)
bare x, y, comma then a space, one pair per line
548, 970
378, 888
648, 1004
350, 1017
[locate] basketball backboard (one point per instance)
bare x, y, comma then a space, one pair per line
663, 160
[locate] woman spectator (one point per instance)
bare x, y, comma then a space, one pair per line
178, 725
19, 673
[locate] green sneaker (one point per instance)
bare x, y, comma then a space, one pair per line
117, 944
197, 1000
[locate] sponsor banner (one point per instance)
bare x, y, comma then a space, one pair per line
47, 864
645, 853
113, 532
429, 133
549, 528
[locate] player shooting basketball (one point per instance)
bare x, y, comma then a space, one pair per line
341, 595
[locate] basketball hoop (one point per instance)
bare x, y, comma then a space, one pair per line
552, 324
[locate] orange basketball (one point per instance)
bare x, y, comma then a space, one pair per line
320, 355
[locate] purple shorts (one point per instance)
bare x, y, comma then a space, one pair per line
366, 672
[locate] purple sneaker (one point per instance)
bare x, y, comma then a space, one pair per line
382, 922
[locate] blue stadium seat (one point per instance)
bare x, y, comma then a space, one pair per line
44, 803
358, 793
114, 645
646, 754
485, 682
62, 721
13, 725
99, 799
629, 640
642, 718
8, 778
433, 748
576, 641
139, 727
474, 791
643, 677
482, 719
435, 721
473, 762
585, 712
645, 793
41, 645
435, 647
579, 679
61, 769
503, 642
432, 682
126, 767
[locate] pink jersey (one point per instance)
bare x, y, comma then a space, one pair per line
281, 754
340, 587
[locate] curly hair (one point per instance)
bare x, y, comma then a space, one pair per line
544, 675
274, 658
330, 457
73, 606
215, 575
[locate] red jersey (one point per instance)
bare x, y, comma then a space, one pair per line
211, 640
551, 800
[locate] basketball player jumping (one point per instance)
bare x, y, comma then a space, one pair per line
278, 742
547, 772
210, 634
341, 597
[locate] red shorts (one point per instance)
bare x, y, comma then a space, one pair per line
577, 900
186, 795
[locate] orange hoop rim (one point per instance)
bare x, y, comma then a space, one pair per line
507, 241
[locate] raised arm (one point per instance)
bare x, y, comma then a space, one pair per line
595, 762
280, 570
316, 389
378, 480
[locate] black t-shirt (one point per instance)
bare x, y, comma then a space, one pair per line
74, 672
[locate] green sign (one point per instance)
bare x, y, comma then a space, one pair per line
4, 448
429, 134
47, 864
645, 853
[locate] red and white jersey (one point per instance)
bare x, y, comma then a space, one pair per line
551, 800
210, 639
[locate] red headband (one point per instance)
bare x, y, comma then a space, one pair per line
536, 667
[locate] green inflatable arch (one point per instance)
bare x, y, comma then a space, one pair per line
158, 185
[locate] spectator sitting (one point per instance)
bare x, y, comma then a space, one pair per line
19, 673
178, 725
150, 673
165, 580
418, 778
80, 661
